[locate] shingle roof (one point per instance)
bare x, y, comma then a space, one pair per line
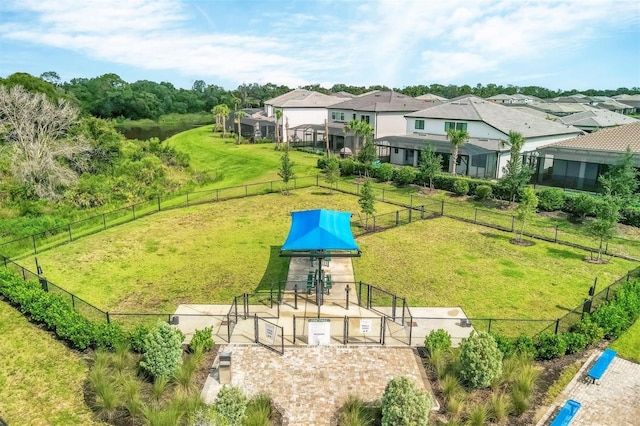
631, 100
299, 98
500, 117
599, 118
615, 139
533, 111
562, 108
384, 102
431, 97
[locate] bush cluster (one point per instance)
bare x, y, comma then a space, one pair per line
610, 320
162, 354
403, 403
480, 360
202, 340
577, 205
48, 309
437, 340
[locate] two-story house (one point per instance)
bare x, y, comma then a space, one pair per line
488, 125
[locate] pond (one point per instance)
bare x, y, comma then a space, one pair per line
161, 132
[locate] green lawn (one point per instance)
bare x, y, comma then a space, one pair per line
201, 254
41, 381
233, 164
444, 262
209, 253
628, 345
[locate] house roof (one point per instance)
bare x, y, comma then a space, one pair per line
431, 97
561, 108
615, 139
302, 98
505, 119
631, 100
378, 101
599, 118
533, 111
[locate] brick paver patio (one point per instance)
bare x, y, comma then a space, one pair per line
614, 400
311, 383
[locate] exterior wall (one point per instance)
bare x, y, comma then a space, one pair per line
534, 143
298, 116
390, 123
435, 126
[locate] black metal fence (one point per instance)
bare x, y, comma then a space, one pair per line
54, 237
269, 335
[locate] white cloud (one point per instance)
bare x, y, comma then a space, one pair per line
354, 42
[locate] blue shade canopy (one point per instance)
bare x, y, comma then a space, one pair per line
320, 230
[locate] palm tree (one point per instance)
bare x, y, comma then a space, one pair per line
515, 141
239, 116
457, 139
359, 129
221, 112
278, 114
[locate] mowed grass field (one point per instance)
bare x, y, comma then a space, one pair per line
41, 380
233, 164
628, 345
201, 254
210, 253
444, 262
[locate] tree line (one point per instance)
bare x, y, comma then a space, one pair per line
109, 96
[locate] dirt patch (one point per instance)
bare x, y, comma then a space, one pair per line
523, 243
205, 366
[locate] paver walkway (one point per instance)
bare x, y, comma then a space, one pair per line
311, 383
614, 401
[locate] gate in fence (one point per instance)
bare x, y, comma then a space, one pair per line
383, 302
268, 334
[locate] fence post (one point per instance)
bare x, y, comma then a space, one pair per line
104, 222
489, 328
317, 182
70, 237
374, 223
271, 296
513, 223
246, 190
382, 329
410, 211
158, 203
217, 195
294, 329
411, 200
368, 296
108, 318
295, 296
555, 239
397, 217
422, 212
133, 209
345, 330
33, 238
347, 290
607, 295
393, 307
475, 215
442, 208
73, 301
557, 325
24, 275
255, 327
410, 328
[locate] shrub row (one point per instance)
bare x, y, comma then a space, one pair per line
610, 320
58, 316
577, 205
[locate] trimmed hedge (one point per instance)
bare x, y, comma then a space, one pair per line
610, 320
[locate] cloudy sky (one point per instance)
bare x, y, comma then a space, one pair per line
568, 44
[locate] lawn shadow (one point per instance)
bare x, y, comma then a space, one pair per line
276, 269
564, 254
322, 193
496, 236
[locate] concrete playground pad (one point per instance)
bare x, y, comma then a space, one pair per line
613, 400
310, 383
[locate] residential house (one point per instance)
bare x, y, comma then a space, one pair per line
384, 111
431, 97
488, 125
577, 162
515, 99
590, 121
600, 102
560, 109
300, 107
632, 100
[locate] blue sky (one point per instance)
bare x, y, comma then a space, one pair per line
556, 44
